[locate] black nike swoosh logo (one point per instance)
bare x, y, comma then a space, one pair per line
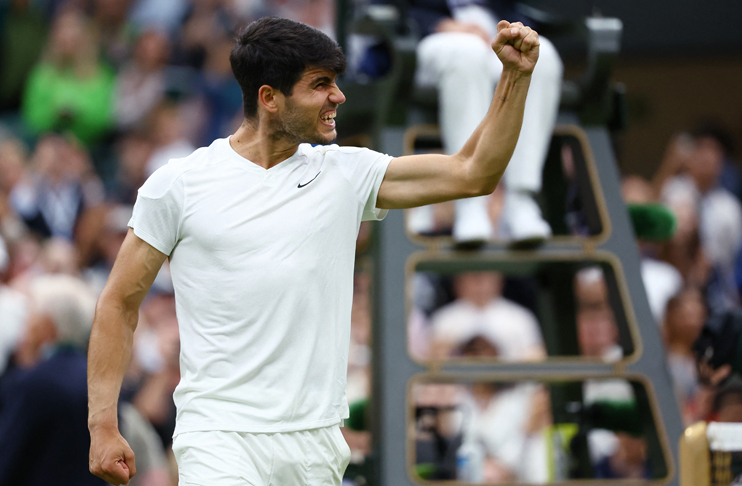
313, 178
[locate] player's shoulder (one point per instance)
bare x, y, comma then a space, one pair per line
338, 153
161, 180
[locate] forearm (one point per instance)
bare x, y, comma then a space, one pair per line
108, 358
487, 152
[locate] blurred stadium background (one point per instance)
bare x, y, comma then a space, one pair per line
570, 361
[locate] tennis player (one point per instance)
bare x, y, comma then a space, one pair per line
260, 230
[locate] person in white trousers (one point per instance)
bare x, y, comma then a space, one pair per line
456, 59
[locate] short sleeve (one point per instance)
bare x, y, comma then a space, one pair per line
158, 209
365, 170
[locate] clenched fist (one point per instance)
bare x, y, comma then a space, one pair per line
516, 46
111, 458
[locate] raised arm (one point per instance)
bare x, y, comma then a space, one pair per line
416, 180
116, 318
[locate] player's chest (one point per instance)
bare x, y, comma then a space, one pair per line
267, 213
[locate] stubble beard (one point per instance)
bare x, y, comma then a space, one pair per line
294, 127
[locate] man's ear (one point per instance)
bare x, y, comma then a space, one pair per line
270, 98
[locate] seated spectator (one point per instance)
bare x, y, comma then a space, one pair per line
690, 175
597, 333
140, 86
480, 310
613, 455
661, 280
133, 150
43, 409
116, 32
13, 169
455, 56
206, 22
70, 90
59, 190
13, 309
218, 93
685, 317
727, 404
508, 423
166, 129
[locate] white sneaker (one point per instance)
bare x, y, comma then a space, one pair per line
522, 222
472, 224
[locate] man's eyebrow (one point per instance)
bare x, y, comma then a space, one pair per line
324, 79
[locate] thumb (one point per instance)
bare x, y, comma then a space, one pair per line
130, 462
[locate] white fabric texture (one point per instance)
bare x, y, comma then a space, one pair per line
512, 328
501, 427
662, 282
262, 267
465, 70
315, 457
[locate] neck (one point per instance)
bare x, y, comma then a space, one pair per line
256, 142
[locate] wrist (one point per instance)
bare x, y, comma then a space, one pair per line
98, 423
515, 75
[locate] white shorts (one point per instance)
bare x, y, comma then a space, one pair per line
316, 457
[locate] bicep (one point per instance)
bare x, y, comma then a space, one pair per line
136, 267
417, 180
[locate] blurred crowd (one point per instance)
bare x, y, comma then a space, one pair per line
95, 95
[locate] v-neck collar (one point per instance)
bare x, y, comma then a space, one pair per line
253, 167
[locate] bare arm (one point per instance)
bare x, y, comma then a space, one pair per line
111, 340
416, 180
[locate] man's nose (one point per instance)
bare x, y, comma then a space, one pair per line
337, 96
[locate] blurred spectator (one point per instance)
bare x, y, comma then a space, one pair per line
166, 129
455, 56
438, 427
23, 31
165, 15
715, 143
508, 421
13, 309
690, 179
140, 86
219, 93
43, 409
157, 351
133, 151
320, 14
151, 461
358, 386
480, 311
727, 405
108, 245
60, 189
116, 32
206, 22
613, 455
70, 89
661, 280
685, 317
13, 169
597, 333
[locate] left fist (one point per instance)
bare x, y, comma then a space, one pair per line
516, 46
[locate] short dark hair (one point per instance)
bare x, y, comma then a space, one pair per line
717, 131
274, 51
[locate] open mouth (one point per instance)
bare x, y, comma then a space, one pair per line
329, 118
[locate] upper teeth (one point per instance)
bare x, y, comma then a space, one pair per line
329, 117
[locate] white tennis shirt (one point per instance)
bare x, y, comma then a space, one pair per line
262, 265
